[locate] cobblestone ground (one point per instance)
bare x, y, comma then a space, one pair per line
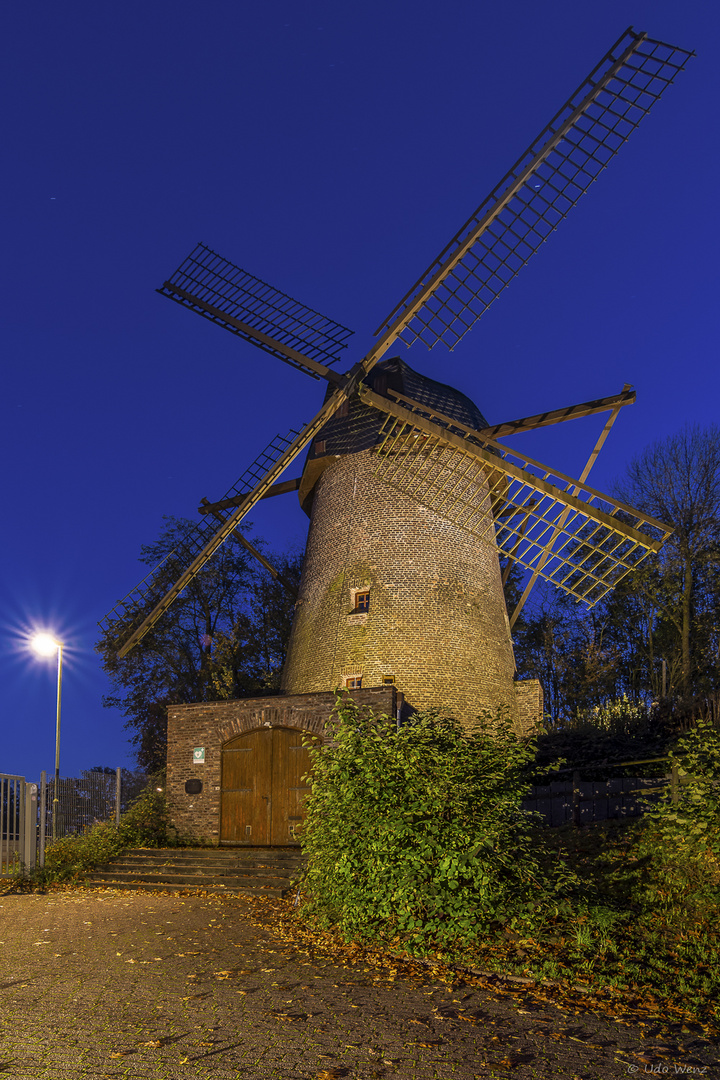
97, 984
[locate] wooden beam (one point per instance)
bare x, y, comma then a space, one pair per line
558, 416
206, 507
295, 448
563, 517
255, 553
529, 423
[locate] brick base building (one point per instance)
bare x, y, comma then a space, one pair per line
238, 765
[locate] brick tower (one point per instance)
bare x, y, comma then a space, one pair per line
391, 591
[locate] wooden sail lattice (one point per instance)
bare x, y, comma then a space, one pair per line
130, 612
536, 194
245, 305
578, 539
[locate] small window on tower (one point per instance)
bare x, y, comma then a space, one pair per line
354, 682
362, 601
388, 680
320, 446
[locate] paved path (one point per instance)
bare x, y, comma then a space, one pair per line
102, 984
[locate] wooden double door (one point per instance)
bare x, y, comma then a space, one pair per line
262, 793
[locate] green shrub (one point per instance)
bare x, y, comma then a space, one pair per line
417, 835
680, 842
145, 824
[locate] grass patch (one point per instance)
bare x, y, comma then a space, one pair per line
659, 956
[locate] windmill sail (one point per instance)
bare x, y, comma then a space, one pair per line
255, 311
137, 614
182, 563
581, 540
537, 193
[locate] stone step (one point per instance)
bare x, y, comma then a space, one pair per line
167, 856
194, 889
248, 873
267, 881
262, 871
223, 853
204, 869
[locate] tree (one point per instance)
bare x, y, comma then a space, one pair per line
224, 636
665, 610
678, 481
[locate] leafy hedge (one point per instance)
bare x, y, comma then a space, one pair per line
417, 834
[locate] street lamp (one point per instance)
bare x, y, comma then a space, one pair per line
46, 645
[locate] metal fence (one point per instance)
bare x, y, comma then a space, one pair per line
18, 824
26, 811
81, 802
85, 800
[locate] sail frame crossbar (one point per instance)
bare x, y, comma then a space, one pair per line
130, 612
536, 194
248, 307
580, 540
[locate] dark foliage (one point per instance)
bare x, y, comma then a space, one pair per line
649, 654
225, 636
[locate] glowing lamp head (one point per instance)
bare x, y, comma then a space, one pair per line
45, 644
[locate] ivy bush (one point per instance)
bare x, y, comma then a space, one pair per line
416, 835
145, 824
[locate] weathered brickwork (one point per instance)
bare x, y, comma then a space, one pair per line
530, 703
437, 619
210, 725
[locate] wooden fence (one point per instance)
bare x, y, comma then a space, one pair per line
584, 801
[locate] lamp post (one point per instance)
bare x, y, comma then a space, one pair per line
46, 645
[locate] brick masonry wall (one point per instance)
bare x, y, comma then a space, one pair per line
437, 618
530, 703
212, 724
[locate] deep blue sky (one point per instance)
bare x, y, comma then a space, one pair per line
331, 149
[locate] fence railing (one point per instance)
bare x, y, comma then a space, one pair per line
32, 815
81, 801
584, 801
18, 828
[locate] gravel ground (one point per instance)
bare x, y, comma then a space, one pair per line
97, 983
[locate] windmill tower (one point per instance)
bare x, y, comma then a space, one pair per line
392, 590
412, 495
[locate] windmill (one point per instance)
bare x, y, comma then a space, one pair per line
412, 495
